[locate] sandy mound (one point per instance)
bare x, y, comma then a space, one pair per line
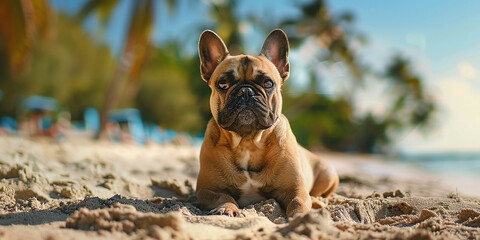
100, 190
125, 218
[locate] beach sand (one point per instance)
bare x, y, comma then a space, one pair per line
101, 190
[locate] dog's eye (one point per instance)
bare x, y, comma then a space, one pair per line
223, 84
267, 83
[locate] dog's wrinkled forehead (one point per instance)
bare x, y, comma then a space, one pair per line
246, 68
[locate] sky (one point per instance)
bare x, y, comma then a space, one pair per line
440, 37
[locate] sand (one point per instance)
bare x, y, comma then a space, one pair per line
100, 190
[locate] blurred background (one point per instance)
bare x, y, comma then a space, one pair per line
397, 78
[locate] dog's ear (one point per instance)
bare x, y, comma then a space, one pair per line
212, 51
276, 48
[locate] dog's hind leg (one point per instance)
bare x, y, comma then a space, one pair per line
326, 180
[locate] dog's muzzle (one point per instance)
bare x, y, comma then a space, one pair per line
246, 111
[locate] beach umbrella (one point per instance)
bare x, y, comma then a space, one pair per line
39, 103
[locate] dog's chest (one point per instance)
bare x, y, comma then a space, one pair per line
250, 192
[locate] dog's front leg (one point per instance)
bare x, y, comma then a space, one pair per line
220, 203
296, 201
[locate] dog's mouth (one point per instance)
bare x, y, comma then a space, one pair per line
245, 117
245, 123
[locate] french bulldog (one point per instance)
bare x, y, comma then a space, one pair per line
249, 153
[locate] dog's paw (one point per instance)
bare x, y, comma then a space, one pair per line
229, 210
298, 206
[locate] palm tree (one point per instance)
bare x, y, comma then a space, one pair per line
20, 23
134, 52
411, 105
318, 23
227, 24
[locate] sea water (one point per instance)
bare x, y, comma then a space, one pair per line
466, 164
460, 170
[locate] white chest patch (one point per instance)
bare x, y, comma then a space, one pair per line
250, 188
244, 160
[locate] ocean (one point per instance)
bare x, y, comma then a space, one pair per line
458, 163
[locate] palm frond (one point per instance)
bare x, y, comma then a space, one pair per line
20, 21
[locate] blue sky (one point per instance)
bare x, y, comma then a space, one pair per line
449, 28
441, 37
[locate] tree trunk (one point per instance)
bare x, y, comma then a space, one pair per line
111, 97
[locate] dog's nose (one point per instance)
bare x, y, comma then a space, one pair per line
245, 91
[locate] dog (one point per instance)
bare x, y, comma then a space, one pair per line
249, 153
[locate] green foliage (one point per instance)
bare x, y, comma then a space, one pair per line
71, 68
412, 105
200, 88
166, 95
318, 121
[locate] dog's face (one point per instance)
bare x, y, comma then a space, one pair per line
246, 94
